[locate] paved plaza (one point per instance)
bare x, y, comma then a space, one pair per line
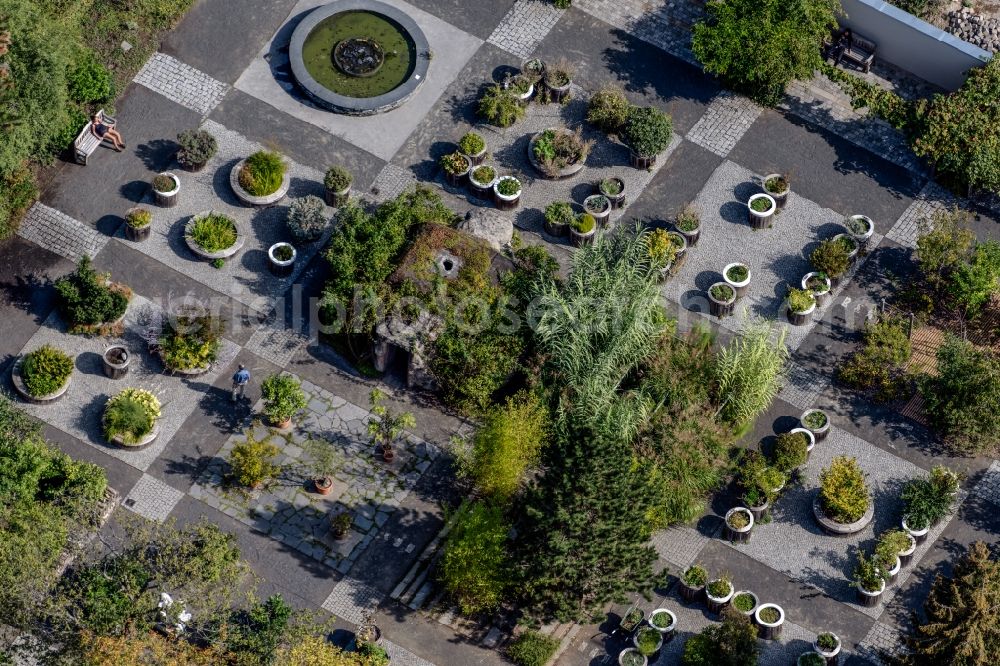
228, 72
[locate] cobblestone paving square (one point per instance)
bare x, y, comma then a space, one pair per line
679, 545
391, 181
881, 639
181, 83
525, 26
276, 343
350, 597
931, 200
400, 656
726, 120
802, 386
79, 412
152, 498
57, 232
663, 23
988, 487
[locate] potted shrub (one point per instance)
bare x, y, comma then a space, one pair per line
307, 219
647, 133
138, 224
662, 251
737, 276
456, 167
688, 224
819, 284
810, 658
608, 109
692, 582
648, 641
583, 229
337, 186
827, 645
665, 622
481, 179
917, 527
261, 179
283, 398
761, 483
558, 79
887, 552
843, 505
558, 218
130, 418
850, 246
499, 107
389, 427
533, 69
739, 524
116, 361
90, 302
745, 602
614, 189
473, 146
521, 88
558, 153
196, 148
861, 228
166, 188
43, 375
945, 481
213, 236
632, 657
924, 502
791, 450
777, 187
831, 259
680, 248
770, 618
757, 502
869, 580
721, 299
598, 206
281, 259
631, 621
340, 526
189, 342
801, 304
250, 462
817, 422
909, 547
761, 208
507, 192
719, 592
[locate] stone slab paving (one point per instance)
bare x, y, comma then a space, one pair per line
269, 79
663, 23
525, 26
777, 257
679, 545
931, 200
245, 277
79, 412
152, 498
350, 598
881, 640
288, 508
726, 120
794, 544
802, 386
57, 232
181, 83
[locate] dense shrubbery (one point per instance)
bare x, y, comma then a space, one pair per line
531, 648
732, 643
45, 370
190, 340
475, 566
88, 299
878, 367
307, 218
262, 173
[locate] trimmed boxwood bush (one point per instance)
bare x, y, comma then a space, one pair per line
648, 131
45, 370
337, 179
843, 490
532, 649
131, 415
197, 147
262, 173
307, 218
472, 144
86, 298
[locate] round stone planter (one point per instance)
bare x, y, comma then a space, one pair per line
627, 651
720, 308
690, 237
565, 172
599, 206
251, 200
834, 528
136, 234
526, 96
717, 604
507, 201
869, 599
478, 158
640, 162
801, 661
918, 535
822, 297
281, 267
558, 93
617, 200
761, 219
739, 287
557, 230
894, 571
578, 239
862, 238
116, 361
769, 631
741, 535
830, 655
168, 199
819, 434
688, 593
337, 199
851, 256
142, 444
481, 190
809, 437
761, 512
668, 631
205, 254
905, 556
22, 388
780, 198
801, 318
756, 602
458, 179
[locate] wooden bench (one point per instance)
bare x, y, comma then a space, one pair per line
86, 143
860, 51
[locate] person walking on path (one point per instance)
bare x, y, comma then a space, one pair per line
240, 380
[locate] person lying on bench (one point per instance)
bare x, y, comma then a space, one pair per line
104, 130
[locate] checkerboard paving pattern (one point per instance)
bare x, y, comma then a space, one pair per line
666, 25
881, 640
525, 26
350, 598
726, 120
57, 232
152, 498
988, 487
931, 200
181, 83
679, 545
802, 386
276, 343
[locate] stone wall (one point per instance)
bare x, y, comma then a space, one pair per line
979, 30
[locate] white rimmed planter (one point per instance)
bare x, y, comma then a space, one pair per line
742, 534
869, 599
598, 206
507, 201
142, 443
22, 388
894, 571
205, 254
718, 307
853, 254
919, 535
525, 97
756, 602
739, 287
761, 219
834, 528
814, 277
801, 660
801, 318
116, 361
769, 630
780, 198
478, 158
252, 200
831, 654
625, 660
666, 631
168, 199
680, 243
482, 189
819, 434
905, 556
655, 655
864, 237
281, 267
809, 437
558, 93
761, 511
716, 604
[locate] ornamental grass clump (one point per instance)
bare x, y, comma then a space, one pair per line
262, 173
213, 232
190, 340
749, 371
130, 416
843, 492
46, 370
